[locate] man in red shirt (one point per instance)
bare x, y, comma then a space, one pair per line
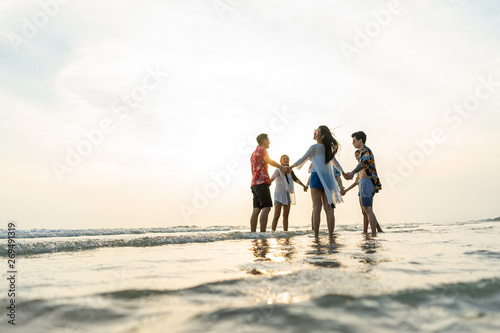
262, 201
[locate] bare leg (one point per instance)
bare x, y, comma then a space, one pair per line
365, 220
330, 218
263, 218
365, 217
372, 219
277, 213
317, 203
286, 212
253, 219
379, 229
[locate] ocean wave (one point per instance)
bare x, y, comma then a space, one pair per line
45, 233
31, 248
224, 287
48, 233
442, 308
444, 294
55, 315
485, 253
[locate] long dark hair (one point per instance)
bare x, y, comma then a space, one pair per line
331, 144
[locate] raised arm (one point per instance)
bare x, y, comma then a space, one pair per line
300, 162
358, 168
269, 161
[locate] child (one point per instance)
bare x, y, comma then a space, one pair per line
284, 193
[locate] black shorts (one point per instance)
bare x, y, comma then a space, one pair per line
261, 196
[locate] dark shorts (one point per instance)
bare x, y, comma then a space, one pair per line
261, 196
366, 192
316, 182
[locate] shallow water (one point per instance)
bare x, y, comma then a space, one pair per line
411, 278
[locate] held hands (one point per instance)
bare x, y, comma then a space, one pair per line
286, 169
348, 176
342, 191
305, 187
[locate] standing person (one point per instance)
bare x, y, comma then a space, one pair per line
365, 216
343, 191
262, 201
324, 188
284, 193
368, 180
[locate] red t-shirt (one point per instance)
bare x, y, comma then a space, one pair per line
259, 167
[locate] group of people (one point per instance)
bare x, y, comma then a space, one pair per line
325, 182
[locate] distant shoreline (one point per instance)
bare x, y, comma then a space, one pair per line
487, 220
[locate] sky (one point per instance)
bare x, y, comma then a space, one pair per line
144, 113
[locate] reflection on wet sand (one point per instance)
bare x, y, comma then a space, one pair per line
370, 246
273, 250
321, 250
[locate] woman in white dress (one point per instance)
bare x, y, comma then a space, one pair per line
284, 195
324, 188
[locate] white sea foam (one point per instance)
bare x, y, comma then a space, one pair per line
85, 243
43, 233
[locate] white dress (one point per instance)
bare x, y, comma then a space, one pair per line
284, 192
316, 153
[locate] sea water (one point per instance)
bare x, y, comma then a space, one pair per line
428, 277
